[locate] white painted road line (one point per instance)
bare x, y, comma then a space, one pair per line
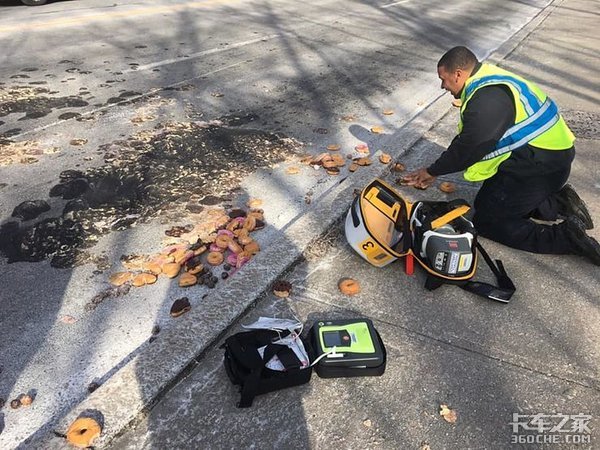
395, 3
202, 53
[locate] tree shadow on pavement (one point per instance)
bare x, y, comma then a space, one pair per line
311, 85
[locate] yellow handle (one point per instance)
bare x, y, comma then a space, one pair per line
449, 216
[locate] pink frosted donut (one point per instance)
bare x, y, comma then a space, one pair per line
215, 248
232, 259
241, 260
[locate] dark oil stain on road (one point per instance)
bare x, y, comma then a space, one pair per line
154, 173
34, 102
123, 96
69, 115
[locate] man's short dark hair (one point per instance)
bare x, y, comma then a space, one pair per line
458, 58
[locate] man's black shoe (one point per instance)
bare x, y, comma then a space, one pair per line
570, 204
581, 243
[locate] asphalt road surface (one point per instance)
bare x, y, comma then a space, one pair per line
99, 99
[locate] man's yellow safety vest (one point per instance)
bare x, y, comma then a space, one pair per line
537, 120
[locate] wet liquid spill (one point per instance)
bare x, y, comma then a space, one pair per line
34, 102
172, 171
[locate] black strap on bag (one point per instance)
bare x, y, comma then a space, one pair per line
246, 368
501, 293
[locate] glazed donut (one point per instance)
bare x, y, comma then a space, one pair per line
250, 223
234, 247
83, 432
241, 232
236, 223
152, 267
253, 248
141, 279
447, 187
120, 278
257, 214
214, 258
384, 158
398, 167
329, 163
245, 240
187, 279
223, 241
26, 400
171, 269
348, 286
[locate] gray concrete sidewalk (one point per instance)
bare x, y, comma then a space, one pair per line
537, 355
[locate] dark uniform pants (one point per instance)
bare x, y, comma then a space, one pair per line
506, 203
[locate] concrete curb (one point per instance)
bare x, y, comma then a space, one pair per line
159, 365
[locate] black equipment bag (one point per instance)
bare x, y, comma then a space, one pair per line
246, 368
425, 213
382, 226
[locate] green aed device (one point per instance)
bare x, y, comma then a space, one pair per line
348, 348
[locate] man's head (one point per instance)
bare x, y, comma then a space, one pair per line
455, 67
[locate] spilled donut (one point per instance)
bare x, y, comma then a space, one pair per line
120, 278
348, 286
144, 278
215, 258
250, 223
447, 187
222, 241
187, 279
83, 432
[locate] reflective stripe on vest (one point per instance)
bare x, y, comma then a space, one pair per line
523, 132
537, 120
541, 116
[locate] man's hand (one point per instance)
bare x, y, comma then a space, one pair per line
420, 179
